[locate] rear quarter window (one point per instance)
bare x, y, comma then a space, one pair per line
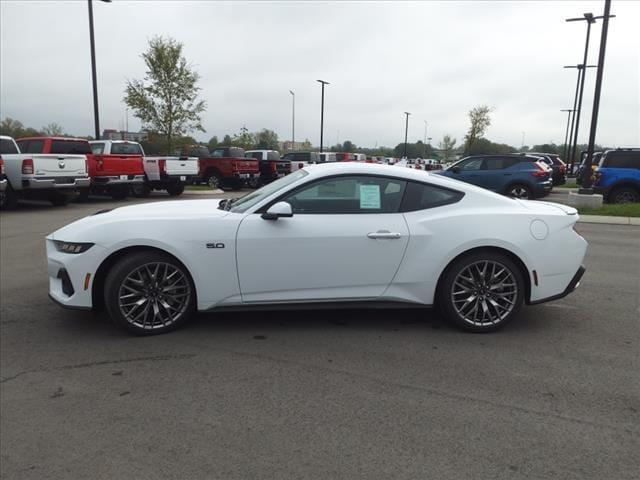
622, 160
422, 196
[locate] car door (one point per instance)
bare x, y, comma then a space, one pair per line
493, 174
344, 241
469, 170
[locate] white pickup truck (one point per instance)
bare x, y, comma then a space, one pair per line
161, 173
41, 176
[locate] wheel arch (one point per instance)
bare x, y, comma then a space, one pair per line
624, 184
526, 275
97, 288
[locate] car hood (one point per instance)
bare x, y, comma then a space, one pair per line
138, 214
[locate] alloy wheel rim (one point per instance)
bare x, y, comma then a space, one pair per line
519, 192
213, 182
484, 293
625, 197
154, 295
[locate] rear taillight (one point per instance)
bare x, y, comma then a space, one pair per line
27, 166
162, 165
301, 165
542, 172
274, 167
1, 167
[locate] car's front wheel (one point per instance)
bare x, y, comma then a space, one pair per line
149, 293
481, 292
520, 191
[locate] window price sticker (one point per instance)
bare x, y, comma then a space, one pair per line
370, 196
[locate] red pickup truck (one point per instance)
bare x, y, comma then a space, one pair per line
112, 175
224, 167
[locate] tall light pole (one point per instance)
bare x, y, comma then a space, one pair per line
293, 120
322, 112
590, 19
566, 133
424, 143
586, 180
406, 132
96, 119
581, 72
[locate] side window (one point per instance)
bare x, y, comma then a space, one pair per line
470, 164
218, 153
97, 148
623, 160
421, 196
493, 163
508, 162
357, 194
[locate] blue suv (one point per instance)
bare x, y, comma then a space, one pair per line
518, 176
617, 176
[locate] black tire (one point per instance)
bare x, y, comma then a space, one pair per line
624, 195
175, 189
8, 199
485, 292
237, 184
83, 195
119, 193
519, 190
254, 182
151, 323
142, 190
60, 199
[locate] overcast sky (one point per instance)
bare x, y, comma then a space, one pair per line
434, 59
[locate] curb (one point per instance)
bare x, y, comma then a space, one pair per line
203, 192
609, 220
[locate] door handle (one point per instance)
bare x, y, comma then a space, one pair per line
383, 234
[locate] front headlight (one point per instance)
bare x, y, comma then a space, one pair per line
72, 247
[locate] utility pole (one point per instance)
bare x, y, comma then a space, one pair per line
322, 112
96, 118
406, 132
586, 179
293, 120
424, 143
566, 133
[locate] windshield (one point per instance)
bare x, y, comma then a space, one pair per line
241, 205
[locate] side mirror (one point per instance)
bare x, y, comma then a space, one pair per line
277, 210
455, 169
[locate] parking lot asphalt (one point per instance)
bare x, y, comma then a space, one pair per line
340, 394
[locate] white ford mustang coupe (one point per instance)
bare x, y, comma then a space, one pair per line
333, 235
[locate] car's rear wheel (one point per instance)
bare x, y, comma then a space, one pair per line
214, 181
624, 195
8, 199
149, 293
481, 292
520, 191
141, 190
175, 189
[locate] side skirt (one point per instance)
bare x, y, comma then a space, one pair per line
348, 305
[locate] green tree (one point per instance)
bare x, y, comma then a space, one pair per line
244, 139
348, 146
213, 143
482, 146
53, 130
166, 100
546, 148
479, 122
306, 145
447, 146
227, 141
266, 139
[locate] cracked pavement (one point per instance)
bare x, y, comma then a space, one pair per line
319, 394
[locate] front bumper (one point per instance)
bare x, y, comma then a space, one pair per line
573, 284
118, 180
67, 273
55, 183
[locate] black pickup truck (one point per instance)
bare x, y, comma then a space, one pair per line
272, 166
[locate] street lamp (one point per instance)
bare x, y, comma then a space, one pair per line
581, 71
93, 69
293, 120
586, 180
406, 132
322, 112
590, 19
566, 134
424, 142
